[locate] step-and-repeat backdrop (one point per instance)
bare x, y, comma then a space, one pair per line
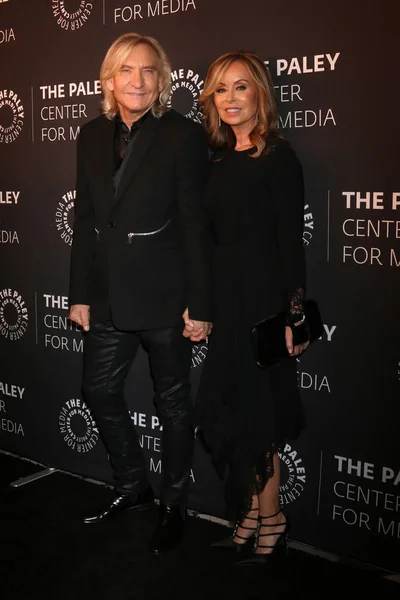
335, 68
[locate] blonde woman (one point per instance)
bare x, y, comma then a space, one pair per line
254, 199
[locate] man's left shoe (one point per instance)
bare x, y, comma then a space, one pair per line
169, 531
121, 504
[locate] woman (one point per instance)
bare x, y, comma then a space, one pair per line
255, 203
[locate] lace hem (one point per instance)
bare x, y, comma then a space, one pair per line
262, 473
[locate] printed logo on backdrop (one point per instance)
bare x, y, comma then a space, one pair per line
150, 440
72, 14
61, 334
293, 475
64, 216
186, 87
308, 230
199, 353
8, 236
6, 35
77, 426
365, 496
152, 8
60, 109
371, 228
10, 393
9, 197
316, 382
13, 315
290, 95
12, 116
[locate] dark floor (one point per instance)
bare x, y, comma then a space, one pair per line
46, 553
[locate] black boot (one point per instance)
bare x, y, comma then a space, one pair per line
121, 504
169, 531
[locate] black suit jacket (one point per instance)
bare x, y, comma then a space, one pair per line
151, 279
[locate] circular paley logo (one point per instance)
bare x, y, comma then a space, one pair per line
77, 426
13, 315
11, 116
64, 215
186, 87
308, 229
293, 475
72, 14
199, 353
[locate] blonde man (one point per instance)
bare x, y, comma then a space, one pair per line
139, 271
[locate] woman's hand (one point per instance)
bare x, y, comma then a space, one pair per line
293, 350
195, 330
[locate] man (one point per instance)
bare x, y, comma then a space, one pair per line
139, 264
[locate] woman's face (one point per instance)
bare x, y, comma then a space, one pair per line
236, 97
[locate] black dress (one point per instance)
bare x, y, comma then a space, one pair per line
245, 414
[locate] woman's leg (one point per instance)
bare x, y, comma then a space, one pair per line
248, 524
268, 503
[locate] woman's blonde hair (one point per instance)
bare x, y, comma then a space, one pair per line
267, 121
115, 58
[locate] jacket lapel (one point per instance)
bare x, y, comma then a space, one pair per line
146, 136
106, 156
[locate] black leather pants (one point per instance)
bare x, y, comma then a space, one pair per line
108, 355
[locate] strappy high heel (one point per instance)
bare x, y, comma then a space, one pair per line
228, 543
278, 548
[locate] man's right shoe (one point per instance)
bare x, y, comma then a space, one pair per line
122, 504
169, 531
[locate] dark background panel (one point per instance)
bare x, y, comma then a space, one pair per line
349, 379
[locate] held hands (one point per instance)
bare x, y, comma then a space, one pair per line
293, 350
195, 330
80, 313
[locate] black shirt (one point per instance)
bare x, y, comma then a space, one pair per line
123, 137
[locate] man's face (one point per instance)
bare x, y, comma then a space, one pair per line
137, 84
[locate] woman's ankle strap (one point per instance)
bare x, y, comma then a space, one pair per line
270, 516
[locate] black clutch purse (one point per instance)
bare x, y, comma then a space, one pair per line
268, 336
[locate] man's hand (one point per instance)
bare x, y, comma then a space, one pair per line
80, 313
195, 330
